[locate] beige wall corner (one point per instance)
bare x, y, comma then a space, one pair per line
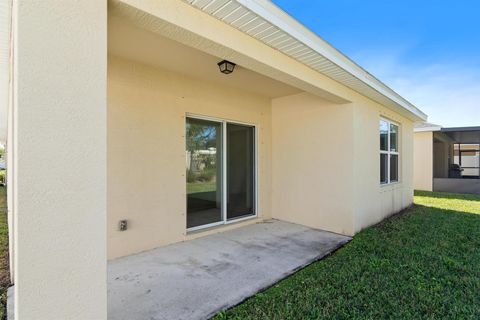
59, 163
312, 162
423, 161
373, 201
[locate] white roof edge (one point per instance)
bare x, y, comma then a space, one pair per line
359, 79
271, 12
428, 129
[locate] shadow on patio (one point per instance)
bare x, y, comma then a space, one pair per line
198, 278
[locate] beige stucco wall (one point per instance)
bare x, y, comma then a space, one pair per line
146, 150
373, 201
312, 162
326, 168
440, 159
304, 176
57, 159
423, 161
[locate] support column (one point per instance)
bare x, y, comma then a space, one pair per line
59, 159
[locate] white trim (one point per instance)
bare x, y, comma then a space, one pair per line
205, 226
427, 129
224, 172
390, 153
338, 66
225, 220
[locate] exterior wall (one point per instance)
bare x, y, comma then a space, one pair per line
373, 202
312, 162
452, 185
321, 185
146, 150
423, 161
440, 159
57, 159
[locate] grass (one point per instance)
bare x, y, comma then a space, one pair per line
4, 270
194, 187
421, 264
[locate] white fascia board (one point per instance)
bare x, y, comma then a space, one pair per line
273, 14
427, 129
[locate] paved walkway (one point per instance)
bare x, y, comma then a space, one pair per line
198, 278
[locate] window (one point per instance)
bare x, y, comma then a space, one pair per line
389, 155
467, 157
220, 172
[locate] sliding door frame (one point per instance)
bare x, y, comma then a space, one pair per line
225, 220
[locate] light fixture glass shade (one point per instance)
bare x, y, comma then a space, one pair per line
226, 67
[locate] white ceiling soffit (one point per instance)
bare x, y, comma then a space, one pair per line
267, 23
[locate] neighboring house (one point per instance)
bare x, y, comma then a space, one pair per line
102, 129
447, 159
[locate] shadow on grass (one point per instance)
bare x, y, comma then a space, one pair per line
447, 195
421, 263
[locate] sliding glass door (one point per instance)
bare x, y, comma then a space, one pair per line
204, 172
220, 171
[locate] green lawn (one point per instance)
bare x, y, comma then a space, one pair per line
4, 271
194, 187
421, 264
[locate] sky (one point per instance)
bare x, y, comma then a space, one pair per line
428, 51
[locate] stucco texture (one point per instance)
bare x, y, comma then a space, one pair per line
318, 149
318, 161
146, 149
423, 160
58, 159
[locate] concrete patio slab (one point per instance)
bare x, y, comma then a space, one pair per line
198, 278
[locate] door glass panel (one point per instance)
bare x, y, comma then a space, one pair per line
240, 171
383, 168
203, 172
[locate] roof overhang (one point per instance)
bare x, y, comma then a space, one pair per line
259, 36
463, 134
428, 128
267, 23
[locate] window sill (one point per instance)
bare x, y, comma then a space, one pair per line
390, 186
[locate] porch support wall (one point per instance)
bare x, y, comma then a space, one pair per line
423, 160
59, 159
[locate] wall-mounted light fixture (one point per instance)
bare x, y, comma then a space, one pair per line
226, 66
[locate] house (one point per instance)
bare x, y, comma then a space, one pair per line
124, 135
447, 159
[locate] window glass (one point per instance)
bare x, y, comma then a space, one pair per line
383, 135
383, 168
203, 172
393, 168
393, 138
240, 171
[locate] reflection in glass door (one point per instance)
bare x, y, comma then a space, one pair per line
221, 173
204, 167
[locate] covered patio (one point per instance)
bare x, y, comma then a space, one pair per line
198, 278
456, 160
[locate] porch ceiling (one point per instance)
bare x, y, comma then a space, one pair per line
463, 135
131, 42
267, 23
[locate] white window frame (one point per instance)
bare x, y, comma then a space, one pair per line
389, 153
225, 220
